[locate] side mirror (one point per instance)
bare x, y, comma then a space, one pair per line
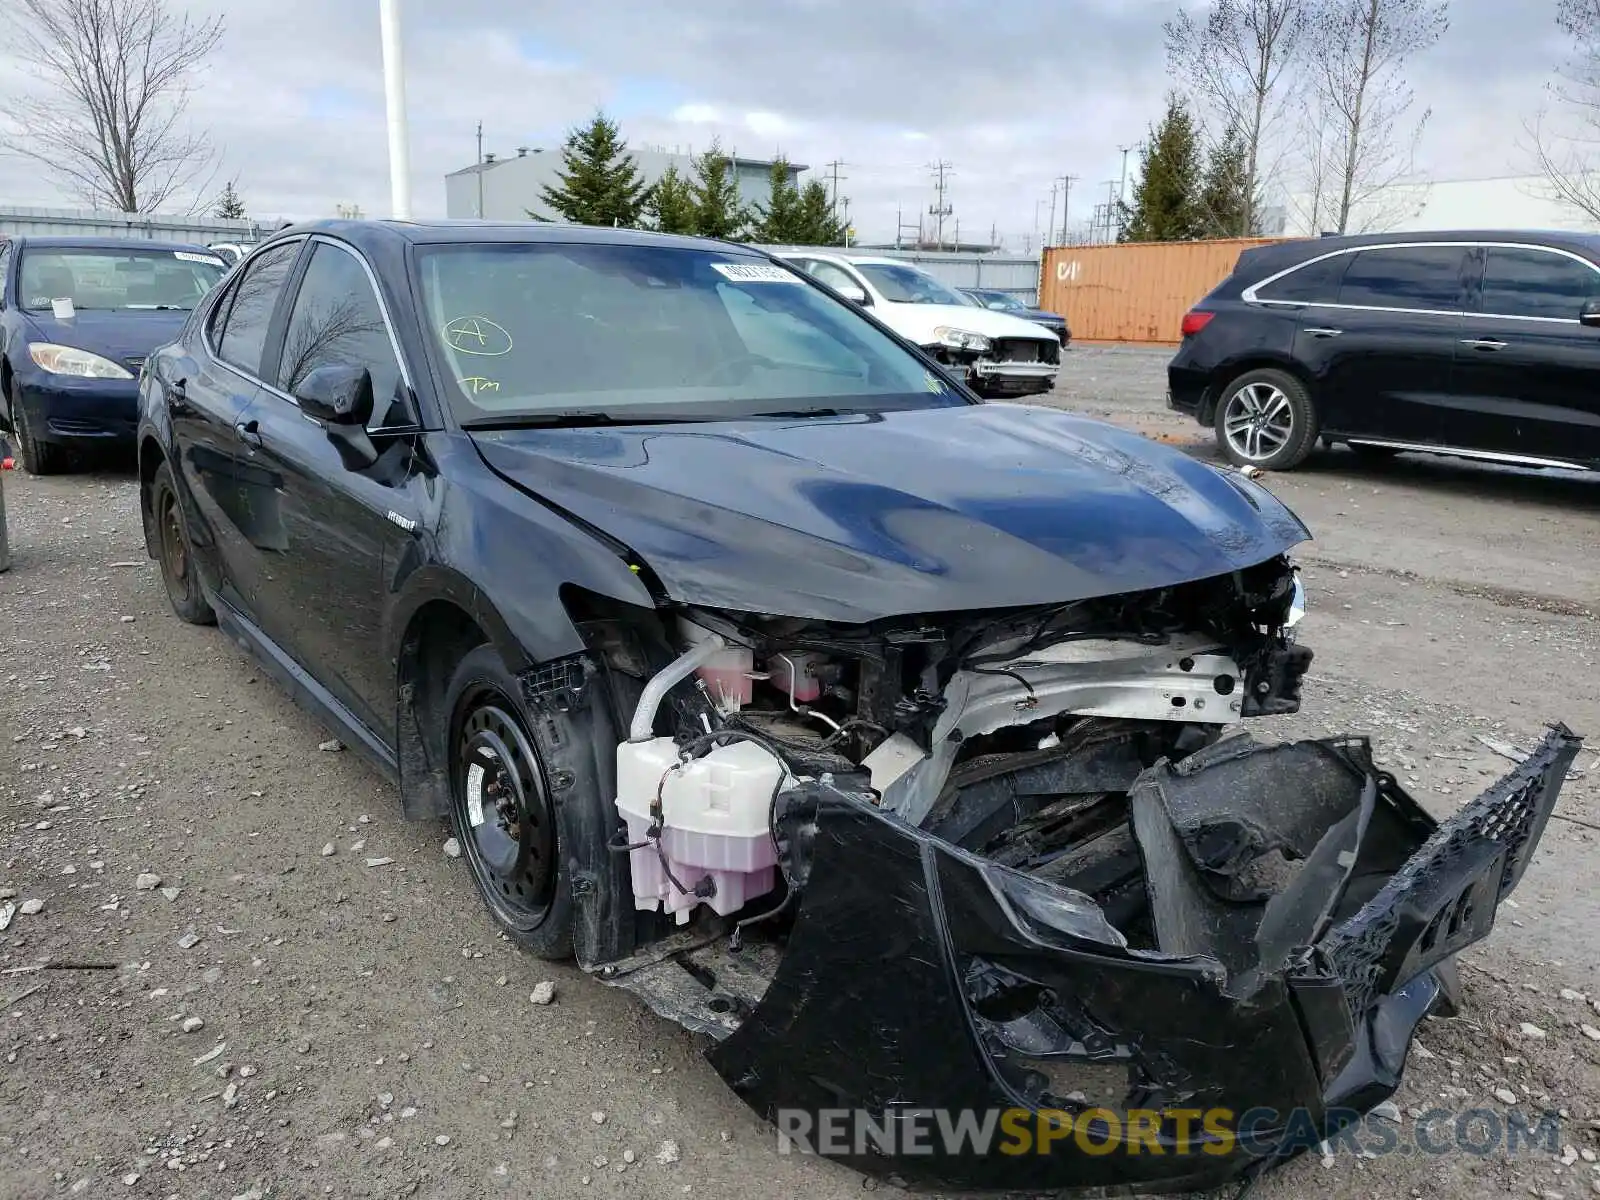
340, 397
855, 294
1590, 314
337, 395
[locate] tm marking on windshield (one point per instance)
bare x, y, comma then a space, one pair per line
477, 335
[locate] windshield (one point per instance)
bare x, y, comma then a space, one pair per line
529, 330
900, 284
1001, 302
135, 278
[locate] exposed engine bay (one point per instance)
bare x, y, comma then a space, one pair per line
1016, 736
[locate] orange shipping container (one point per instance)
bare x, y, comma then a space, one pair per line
1134, 291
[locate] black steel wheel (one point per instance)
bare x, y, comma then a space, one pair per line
501, 811
176, 551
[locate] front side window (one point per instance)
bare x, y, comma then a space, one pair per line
243, 326
902, 284
1406, 277
336, 321
1315, 283
524, 329
116, 279
1519, 282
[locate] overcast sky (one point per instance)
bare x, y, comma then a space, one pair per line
1011, 92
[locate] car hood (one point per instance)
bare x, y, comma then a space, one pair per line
1041, 316
916, 322
860, 517
120, 335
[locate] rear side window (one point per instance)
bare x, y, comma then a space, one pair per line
243, 332
1521, 282
1425, 277
5, 265
1315, 283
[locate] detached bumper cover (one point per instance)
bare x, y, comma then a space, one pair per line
920, 977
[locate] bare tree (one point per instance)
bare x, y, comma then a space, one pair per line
114, 76
1236, 64
1361, 48
1568, 155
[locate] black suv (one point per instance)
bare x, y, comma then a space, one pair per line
1483, 345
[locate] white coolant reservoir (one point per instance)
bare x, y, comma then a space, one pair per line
715, 813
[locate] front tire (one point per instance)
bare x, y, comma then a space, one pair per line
38, 457
501, 810
177, 551
1265, 419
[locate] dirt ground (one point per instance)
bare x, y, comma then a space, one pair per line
268, 1019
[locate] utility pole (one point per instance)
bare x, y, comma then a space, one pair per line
1050, 229
834, 168
480, 170
1066, 202
394, 94
1122, 187
994, 235
940, 208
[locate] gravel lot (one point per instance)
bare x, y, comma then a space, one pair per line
269, 1019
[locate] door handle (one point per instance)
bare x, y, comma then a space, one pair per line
1324, 333
1486, 344
249, 433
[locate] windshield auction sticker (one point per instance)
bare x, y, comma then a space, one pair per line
186, 256
754, 273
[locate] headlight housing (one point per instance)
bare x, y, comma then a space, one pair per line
69, 360
961, 339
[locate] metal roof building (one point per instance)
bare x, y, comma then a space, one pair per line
508, 189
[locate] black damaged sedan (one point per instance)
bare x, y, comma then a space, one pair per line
890, 738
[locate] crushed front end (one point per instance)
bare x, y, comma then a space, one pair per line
1023, 866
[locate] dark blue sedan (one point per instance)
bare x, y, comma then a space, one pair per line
997, 301
871, 730
78, 317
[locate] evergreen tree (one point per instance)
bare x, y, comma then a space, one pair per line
230, 207
817, 225
779, 220
600, 184
1225, 201
1166, 200
671, 204
718, 211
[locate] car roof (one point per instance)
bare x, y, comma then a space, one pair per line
1272, 256
446, 232
29, 241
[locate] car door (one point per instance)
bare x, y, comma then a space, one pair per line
1382, 354
236, 503
1526, 370
321, 590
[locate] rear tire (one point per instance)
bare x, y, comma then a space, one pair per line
38, 458
177, 552
1265, 419
501, 808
